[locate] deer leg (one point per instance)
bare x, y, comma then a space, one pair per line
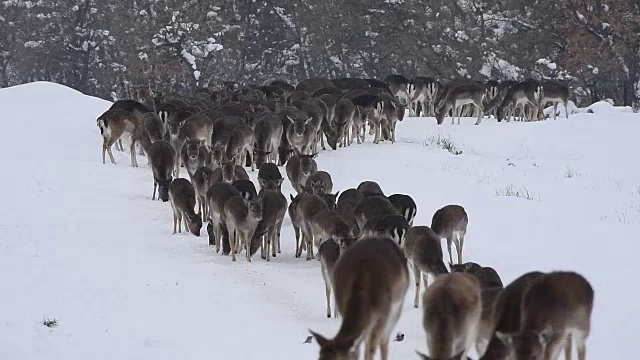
298, 238
247, 242
567, 347
179, 215
155, 186
175, 220
134, 161
554, 347
566, 110
580, 340
185, 221
327, 292
459, 239
113, 161
555, 110
416, 276
233, 236
273, 239
449, 241
119, 143
480, 113
104, 150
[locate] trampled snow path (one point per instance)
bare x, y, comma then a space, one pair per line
83, 243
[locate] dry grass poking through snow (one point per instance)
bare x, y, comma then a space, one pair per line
443, 141
511, 190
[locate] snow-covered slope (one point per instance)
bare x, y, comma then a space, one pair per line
82, 242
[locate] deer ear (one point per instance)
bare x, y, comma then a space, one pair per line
336, 194
308, 120
321, 340
290, 119
291, 197
313, 156
422, 356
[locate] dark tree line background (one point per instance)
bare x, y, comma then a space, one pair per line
100, 47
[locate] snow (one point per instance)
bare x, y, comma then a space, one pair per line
83, 243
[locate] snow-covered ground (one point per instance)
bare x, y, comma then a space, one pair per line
83, 243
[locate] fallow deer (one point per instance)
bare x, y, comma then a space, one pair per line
555, 312
458, 96
424, 253
451, 222
242, 218
183, 201
370, 283
452, 309
162, 158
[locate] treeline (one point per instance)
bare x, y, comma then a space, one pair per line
100, 47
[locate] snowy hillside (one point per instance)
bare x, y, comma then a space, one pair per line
83, 242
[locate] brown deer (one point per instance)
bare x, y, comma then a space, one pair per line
554, 313
183, 201
242, 219
452, 308
329, 253
457, 97
113, 123
450, 222
424, 253
370, 281
161, 158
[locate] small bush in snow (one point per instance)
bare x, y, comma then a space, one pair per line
511, 190
444, 142
50, 322
635, 107
569, 172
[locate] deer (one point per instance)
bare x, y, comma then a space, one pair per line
301, 210
217, 196
398, 87
154, 126
195, 153
329, 253
246, 187
405, 206
506, 318
486, 275
299, 167
450, 222
274, 207
458, 96
202, 182
319, 182
183, 201
230, 172
555, 312
452, 309
240, 144
392, 225
526, 93
269, 177
301, 135
161, 158
344, 114
267, 135
373, 209
424, 254
195, 127
370, 188
328, 224
555, 92
113, 123
370, 282
242, 218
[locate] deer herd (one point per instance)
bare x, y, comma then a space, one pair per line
365, 240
